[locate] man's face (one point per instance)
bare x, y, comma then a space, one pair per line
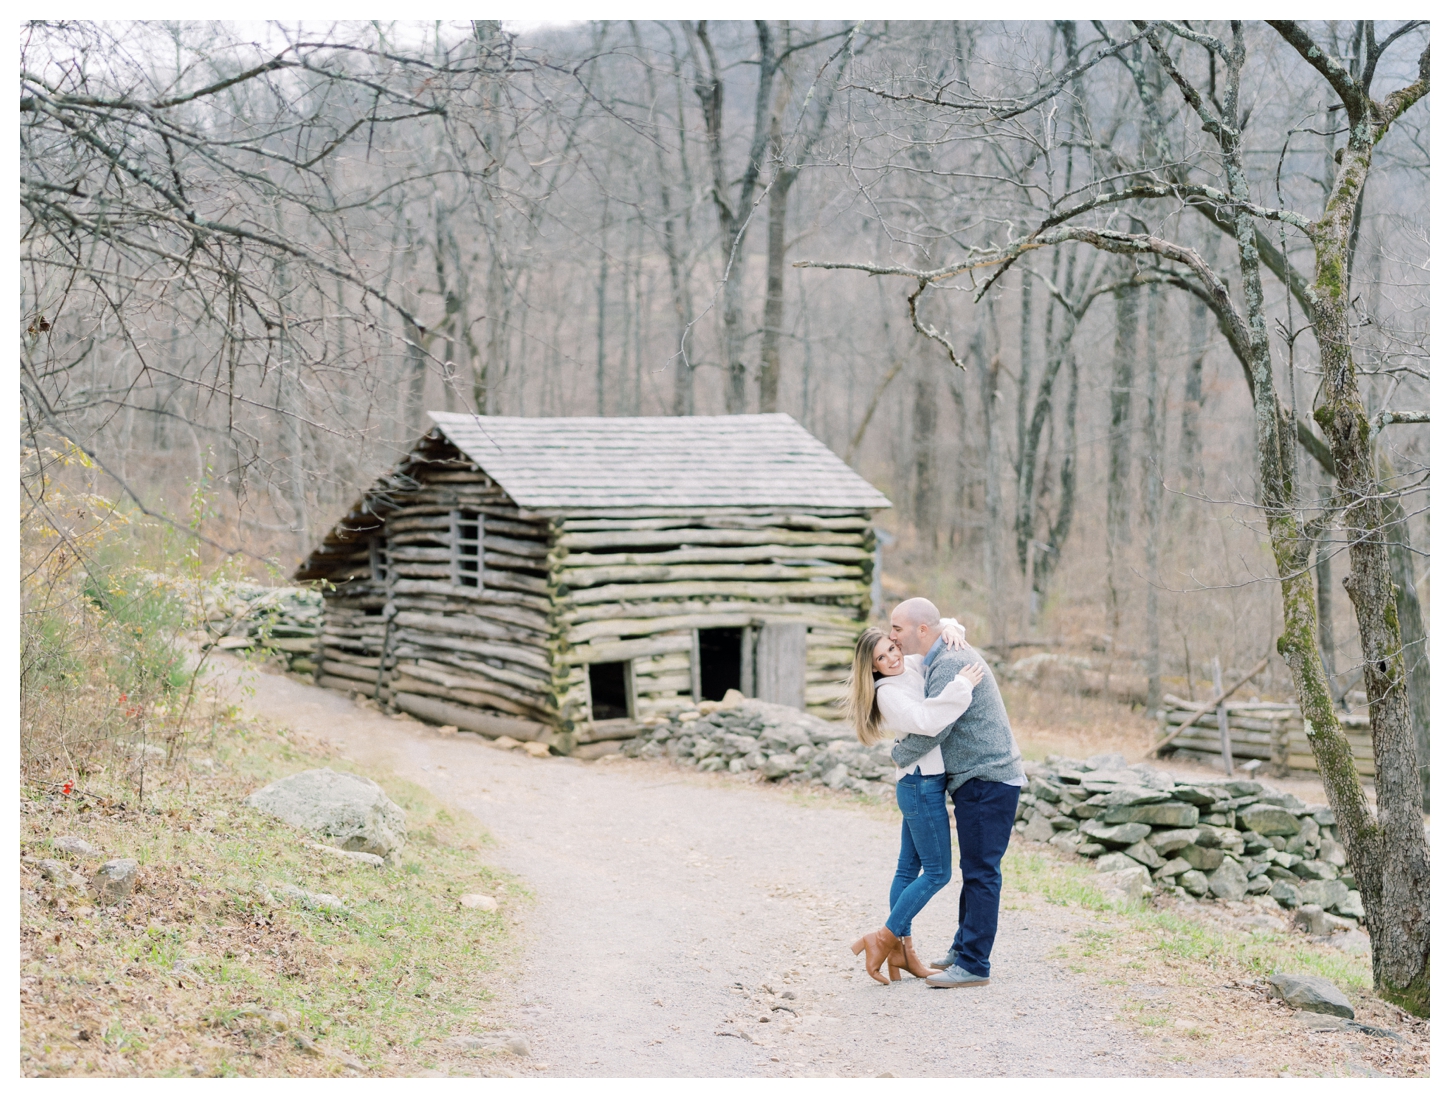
911, 639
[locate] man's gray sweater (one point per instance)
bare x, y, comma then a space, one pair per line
980, 744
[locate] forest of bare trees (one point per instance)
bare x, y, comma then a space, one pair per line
1130, 320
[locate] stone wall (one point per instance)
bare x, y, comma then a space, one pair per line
775, 741
1205, 839
1224, 838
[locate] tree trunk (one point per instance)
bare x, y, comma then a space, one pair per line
957, 524
923, 440
601, 310
992, 492
774, 282
1024, 383
1390, 857
1412, 626
1323, 578
1387, 851
1152, 474
1046, 561
1120, 441
1190, 442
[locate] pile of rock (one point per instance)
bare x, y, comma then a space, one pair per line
285, 620
1225, 838
777, 742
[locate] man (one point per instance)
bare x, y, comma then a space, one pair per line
984, 778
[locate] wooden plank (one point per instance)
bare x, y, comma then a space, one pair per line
345, 686
743, 518
821, 618
408, 554
623, 728
535, 694
471, 627
472, 594
737, 554
481, 698
443, 640
696, 536
627, 650
579, 578
624, 627
726, 589
780, 664
526, 621
470, 719
350, 671
676, 683
336, 654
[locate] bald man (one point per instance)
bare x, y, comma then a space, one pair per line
984, 777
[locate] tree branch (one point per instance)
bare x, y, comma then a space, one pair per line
1349, 90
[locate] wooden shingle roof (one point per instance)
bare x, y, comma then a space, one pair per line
671, 461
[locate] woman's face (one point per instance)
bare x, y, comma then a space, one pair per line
887, 657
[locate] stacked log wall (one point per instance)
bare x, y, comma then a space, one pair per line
635, 587
478, 658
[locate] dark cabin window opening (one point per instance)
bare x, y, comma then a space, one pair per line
719, 662
608, 692
467, 549
378, 559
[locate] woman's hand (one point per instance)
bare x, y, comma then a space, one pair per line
953, 636
973, 673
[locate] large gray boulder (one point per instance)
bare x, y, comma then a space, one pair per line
1312, 993
1115, 834
352, 811
115, 880
1130, 885
1268, 819
1166, 842
1326, 894
1228, 881
1168, 814
1202, 857
1039, 829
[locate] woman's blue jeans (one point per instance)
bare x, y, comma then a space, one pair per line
925, 865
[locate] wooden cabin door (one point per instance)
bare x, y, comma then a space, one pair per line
780, 664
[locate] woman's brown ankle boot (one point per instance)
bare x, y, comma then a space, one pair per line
911, 962
879, 945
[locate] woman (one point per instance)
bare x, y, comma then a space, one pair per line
888, 694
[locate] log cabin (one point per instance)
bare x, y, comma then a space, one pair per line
562, 580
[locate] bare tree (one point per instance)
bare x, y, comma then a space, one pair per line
1387, 850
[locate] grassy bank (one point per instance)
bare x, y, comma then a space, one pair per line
208, 969
1195, 977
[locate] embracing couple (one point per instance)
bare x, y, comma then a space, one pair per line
923, 685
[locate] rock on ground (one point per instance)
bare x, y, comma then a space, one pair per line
115, 880
70, 844
1131, 885
352, 810
1312, 993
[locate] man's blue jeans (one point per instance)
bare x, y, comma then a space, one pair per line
985, 812
925, 864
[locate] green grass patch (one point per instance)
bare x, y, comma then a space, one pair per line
1178, 939
210, 968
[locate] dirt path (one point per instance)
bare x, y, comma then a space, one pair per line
691, 925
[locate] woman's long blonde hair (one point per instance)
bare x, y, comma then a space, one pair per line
860, 704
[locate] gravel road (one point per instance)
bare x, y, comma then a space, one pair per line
694, 925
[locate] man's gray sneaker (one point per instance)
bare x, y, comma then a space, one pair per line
947, 961
957, 976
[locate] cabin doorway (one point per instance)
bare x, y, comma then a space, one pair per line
609, 691
720, 662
